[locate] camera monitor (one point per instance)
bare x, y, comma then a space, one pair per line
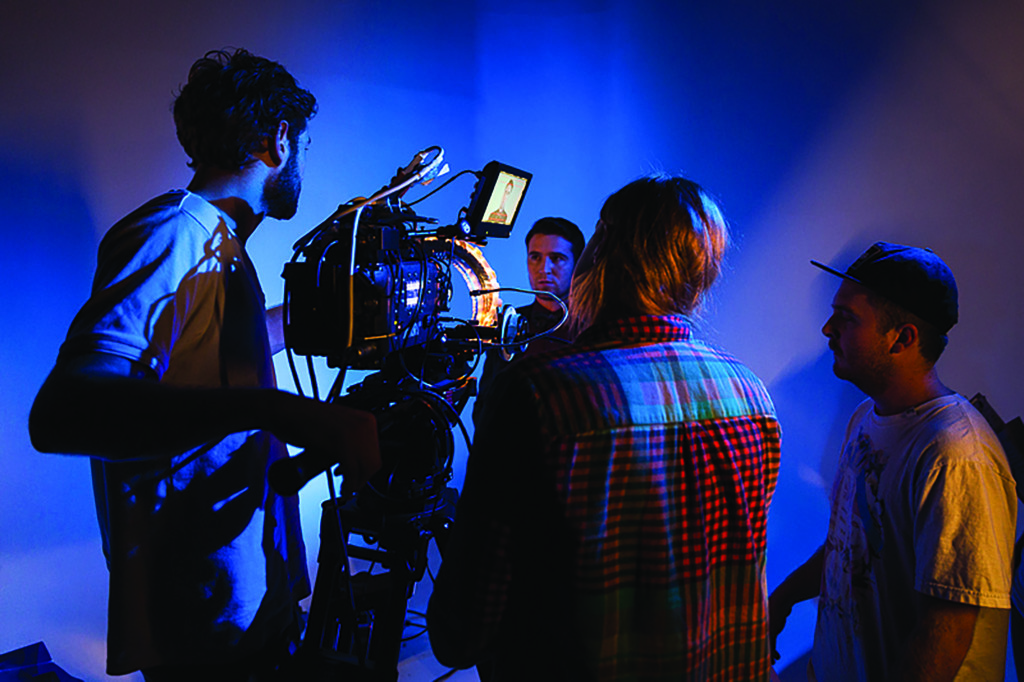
496, 200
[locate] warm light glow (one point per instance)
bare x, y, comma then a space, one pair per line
477, 273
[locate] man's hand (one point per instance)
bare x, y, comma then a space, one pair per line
341, 434
778, 611
363, 458
802, 584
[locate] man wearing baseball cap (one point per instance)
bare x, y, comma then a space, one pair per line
914, 576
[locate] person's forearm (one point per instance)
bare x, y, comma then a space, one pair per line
802, 584
105, 407
114, 417
938, 643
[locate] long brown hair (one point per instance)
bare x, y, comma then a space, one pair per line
657, 250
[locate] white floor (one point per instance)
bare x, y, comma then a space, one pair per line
423, 667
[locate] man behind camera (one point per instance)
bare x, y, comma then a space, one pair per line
165, 380
612, 522
553, 246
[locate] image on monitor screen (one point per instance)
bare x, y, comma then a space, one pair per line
504, 200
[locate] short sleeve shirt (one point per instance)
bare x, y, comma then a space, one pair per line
205, 560
923, 502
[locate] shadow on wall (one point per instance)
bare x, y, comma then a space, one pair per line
814, 408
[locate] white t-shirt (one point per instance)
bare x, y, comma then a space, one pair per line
923, 501
206, 562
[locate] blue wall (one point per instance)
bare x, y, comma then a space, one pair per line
822, 127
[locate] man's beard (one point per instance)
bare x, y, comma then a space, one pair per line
281, 193
870, 372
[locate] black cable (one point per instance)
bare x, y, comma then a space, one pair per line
442, 186
295, 372
314, 388
339, 383
529, 339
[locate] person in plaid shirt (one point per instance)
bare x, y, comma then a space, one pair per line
612, 521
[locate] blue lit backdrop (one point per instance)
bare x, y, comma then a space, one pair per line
822, 127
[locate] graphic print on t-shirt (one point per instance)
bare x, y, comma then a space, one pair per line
856, 536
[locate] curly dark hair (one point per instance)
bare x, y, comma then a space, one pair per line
233, 102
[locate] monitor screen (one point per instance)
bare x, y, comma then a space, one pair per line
497, 199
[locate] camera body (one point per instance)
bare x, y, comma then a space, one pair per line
392, 301
377, 280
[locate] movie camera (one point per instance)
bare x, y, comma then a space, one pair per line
370, 289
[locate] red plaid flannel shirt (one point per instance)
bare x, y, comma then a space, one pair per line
612, 522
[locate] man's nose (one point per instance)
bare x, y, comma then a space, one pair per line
827, 328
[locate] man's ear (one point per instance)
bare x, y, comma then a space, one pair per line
907, 337
279, 147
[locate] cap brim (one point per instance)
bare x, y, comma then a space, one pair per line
836, 272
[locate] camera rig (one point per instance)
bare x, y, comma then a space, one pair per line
370, 289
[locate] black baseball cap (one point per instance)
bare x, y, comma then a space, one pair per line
913, 278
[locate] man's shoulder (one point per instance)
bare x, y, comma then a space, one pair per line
951, 432
528, 309
169, 209
162, 222
539, 319
166, 204
952, 418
